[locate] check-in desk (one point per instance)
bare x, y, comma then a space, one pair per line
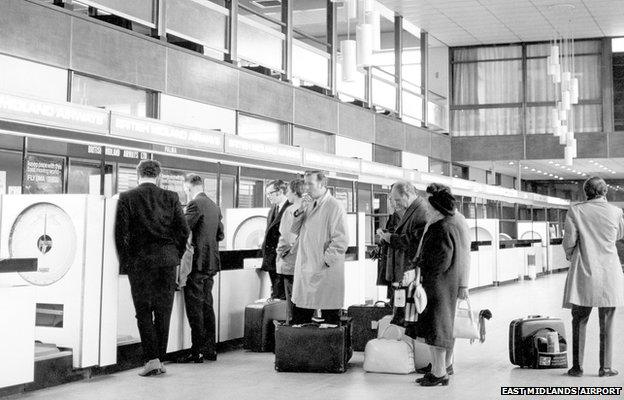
484, 238
556, 255
512, 258
536, 230
17, 334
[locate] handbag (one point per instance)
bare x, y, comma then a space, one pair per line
466, 325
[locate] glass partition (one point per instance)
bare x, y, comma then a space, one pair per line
202, 22
141, 11
109, 96
384, 86
310, 54
260, 37
261, 129
507, 224
411, 70
438, 84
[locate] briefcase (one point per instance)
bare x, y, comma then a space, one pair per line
313, 348
365, 318
259, 327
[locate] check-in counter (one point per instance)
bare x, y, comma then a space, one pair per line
533, 231
556, 255
511, 259
481, 264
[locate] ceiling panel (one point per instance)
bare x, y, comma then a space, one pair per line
471, 22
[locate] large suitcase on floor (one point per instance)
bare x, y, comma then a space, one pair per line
310, 348
364, 322
521, 335
259, 327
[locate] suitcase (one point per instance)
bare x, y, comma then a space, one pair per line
521, 331
259, 327
389, 354
365, 319
422, 354
310, 348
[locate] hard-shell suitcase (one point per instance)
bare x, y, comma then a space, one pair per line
259, 327
365, 318
522, 329
312, 348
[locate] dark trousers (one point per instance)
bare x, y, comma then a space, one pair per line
288, 285
304, 315
580, 316
277, 285
200, 313
152, 292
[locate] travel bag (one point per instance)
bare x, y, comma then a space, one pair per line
521, 337
364, 322
313, 347
389, 354
259, 327
422, 353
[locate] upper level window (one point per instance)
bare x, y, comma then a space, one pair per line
109, 96
313, 140
264, 130
386, 155
32, 79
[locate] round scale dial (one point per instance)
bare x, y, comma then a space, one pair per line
46, 232
250, 233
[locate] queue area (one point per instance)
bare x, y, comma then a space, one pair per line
62, 164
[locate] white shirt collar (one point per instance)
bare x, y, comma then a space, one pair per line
281, 204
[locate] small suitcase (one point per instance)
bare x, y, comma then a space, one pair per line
520, 332
310, 348
259, 327
365, 318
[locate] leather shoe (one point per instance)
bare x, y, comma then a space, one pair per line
191, 358
427, 369
605, 372
575, 371
432, 380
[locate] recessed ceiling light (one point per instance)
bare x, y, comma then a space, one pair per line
539, 172
550, 162
550, 174
532, 169
613, 172
556, 177
560, 179
545, 173
511, 163
525, 167
556, 165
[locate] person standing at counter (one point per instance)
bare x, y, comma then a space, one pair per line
319, 281
287, 244
204, 220
409, 230
150, 235
276, 193
595, 278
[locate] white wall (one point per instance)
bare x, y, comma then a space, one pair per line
32, 79
354, 148
191, 113
415, 161
438, 68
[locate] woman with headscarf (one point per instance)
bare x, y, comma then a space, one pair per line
442, 262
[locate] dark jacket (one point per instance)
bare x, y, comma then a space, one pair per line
406, 237
150, 229
271, 237
204, 220
445, 245
385, 262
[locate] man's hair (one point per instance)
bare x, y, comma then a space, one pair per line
296, 186
148, 169
595, 187
194, 180
404, 188
278, 184
320, 176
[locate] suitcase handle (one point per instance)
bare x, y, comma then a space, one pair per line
383, 303
535, 316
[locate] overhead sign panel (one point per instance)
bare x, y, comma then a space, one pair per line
330, 162
266, 151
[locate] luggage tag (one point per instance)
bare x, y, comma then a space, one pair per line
399, 298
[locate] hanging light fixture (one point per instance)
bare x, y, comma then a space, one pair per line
349, 64
364, 39
352, 9
374, 19
560, 66
364, 6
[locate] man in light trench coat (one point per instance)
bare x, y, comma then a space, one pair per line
595, 278
319, 281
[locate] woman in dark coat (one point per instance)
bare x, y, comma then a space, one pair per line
446, 246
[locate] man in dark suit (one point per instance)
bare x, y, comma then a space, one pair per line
276, 193
204, 220
150, 234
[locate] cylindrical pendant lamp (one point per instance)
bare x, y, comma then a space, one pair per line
574, 91
554, 53
352, 9
364, 38
569, 160
554, 118
349, 65
557, 75
563, 114
373, 18
364, 6
566, 100
563, 137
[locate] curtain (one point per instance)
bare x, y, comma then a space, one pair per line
487, 82
486, 121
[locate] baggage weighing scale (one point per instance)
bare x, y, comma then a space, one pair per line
64, 233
